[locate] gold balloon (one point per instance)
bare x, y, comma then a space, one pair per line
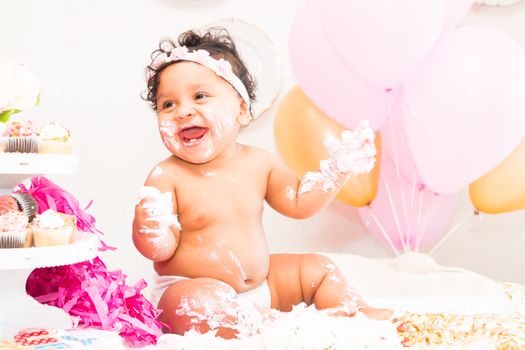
503, 188
300, 129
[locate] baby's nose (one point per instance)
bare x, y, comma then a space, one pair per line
184, 111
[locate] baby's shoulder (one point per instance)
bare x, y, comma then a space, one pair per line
252, 150
259, 154
163, 171
258, 159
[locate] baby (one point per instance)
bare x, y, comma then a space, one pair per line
199, 213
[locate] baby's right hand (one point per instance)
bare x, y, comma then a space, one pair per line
143, 216
154, 211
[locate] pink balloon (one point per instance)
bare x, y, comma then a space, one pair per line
464, 110
411, 217
382, 40
330, 84
394, 143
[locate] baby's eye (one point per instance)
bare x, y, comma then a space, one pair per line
168, 104
200, 95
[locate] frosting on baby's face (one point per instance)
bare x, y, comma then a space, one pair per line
198, 112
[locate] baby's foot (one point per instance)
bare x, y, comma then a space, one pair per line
376, 314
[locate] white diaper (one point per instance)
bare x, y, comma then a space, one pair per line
259, 295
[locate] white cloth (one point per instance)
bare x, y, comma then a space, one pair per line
260, 295
415, 282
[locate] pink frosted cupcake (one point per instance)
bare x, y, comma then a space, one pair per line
7, 204
14, 230
52, 228
54, 138
20, 136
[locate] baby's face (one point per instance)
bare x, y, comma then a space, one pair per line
198, 112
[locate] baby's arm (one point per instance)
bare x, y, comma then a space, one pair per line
353, 154
156, 229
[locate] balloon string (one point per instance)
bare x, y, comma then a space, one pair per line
394, 214
429, 212
419, 217
414, 113
383, 231
425, 226
410, 208
398, 173
413, 190
449, 233
420, 194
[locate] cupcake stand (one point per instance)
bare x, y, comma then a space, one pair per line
17, 309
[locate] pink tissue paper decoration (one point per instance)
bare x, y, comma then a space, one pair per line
91, 294
98, 298
49, 195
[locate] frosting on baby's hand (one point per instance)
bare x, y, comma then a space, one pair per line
355, 152
159, 208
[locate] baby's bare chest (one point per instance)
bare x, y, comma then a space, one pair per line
219, 197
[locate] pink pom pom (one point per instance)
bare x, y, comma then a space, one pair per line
98, 298
87, 291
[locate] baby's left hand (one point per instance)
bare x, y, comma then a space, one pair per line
355, 152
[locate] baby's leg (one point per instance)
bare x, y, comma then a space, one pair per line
202, 304
313, 278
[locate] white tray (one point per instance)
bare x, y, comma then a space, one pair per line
15, 167
35, 163
17, 309
84, 248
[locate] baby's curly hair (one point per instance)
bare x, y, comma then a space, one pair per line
217, 41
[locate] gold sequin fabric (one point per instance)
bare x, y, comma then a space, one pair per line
505, 331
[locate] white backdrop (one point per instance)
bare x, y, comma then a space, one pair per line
90, 57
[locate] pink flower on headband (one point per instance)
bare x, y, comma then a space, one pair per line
178, 53
201, 56
223, 67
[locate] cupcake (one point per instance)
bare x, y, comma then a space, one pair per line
20, 136
7, 203
14, 230
54, 138
52, 228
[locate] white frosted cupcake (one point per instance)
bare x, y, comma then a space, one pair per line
54, 138
52, 228
14, 230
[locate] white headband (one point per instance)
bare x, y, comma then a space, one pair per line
221, 67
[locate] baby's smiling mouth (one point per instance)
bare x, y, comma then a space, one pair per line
192, 135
